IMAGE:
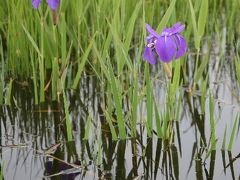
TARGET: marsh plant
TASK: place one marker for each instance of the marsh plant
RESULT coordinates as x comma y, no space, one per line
126,70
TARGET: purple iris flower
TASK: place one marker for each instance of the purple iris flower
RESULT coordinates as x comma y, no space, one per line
53,4
168,46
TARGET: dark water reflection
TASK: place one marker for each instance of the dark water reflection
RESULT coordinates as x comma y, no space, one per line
34,146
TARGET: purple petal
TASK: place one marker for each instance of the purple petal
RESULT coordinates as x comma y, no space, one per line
149,55
35,3
53,4
177,28
150,39
151,31
166,48
176,25
166,32
181,45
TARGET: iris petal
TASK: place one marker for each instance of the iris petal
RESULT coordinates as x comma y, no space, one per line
181,45
166,32
177,28
166,48
151,31
53,4
35,3
150,39
149,55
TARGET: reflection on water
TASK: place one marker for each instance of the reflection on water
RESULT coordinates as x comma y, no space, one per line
33,140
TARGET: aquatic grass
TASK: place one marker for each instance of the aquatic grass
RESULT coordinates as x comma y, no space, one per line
103,40
202,67
55,75
166,17
173,88
231,12
122,57
81,64
198,30
202,18
165,127
33,43
116,92
178,106
176,78
110,123
149,99
172,109
233,132
134,108
67,119
237,67
224,139
67,114
203,91
194,26
35,46
34,79
42,63
1,90
158,119
199,26
87,128
45,58
130,26
135,99
99,151
2,68
212,123
9,92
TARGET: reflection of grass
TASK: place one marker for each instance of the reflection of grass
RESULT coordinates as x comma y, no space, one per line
1,172
105,39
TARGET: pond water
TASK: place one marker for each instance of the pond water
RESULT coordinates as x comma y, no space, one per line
34,146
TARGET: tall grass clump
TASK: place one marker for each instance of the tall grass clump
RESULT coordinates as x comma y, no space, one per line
57,51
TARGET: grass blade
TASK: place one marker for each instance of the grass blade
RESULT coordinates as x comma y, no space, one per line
67,116
233,134
194,23
212,123
9,92
202,19
109,120
81,65
87,128
117,99
149,100
130,26
166,16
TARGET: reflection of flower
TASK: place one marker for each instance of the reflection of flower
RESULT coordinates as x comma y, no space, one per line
53,4
168,46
